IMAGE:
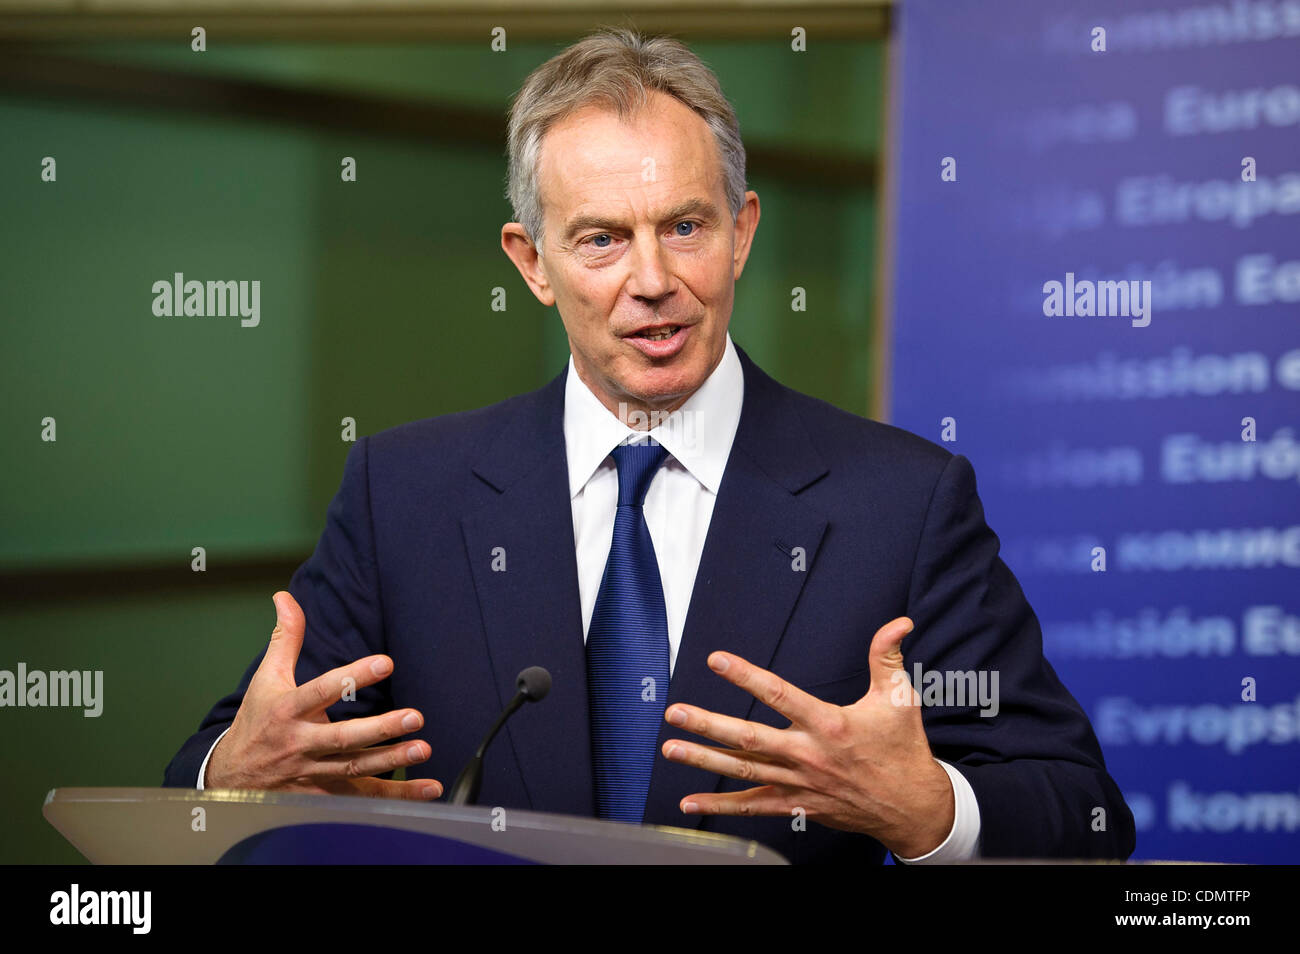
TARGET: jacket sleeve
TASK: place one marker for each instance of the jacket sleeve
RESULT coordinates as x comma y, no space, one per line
1035,766
339,592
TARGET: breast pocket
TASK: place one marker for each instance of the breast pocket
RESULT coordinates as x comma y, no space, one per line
843,691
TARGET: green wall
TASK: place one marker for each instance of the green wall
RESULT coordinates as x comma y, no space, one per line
375,304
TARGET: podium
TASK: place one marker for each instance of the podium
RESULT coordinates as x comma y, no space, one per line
177,826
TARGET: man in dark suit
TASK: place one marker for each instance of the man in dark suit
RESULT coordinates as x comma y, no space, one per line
699,555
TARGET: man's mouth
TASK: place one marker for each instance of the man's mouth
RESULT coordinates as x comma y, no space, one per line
656,332
659,342
662,334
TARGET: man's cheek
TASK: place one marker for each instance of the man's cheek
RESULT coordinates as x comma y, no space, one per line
593,299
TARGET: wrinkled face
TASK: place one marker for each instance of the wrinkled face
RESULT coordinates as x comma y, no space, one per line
641,253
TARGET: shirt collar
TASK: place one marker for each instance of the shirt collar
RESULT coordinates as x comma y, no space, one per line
698,435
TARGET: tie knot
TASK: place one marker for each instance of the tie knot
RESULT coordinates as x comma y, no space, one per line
637,464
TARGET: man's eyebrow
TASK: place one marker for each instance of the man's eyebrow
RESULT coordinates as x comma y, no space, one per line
701,208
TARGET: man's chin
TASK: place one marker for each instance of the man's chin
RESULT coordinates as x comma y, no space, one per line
666,382
660,395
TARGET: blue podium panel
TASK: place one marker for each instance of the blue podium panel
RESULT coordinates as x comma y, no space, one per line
339,844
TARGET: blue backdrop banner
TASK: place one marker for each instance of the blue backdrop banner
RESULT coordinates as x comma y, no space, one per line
1096,298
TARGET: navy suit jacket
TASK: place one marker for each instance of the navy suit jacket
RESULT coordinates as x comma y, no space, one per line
889,524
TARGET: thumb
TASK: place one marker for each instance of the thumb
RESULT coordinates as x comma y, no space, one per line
287,637
886,655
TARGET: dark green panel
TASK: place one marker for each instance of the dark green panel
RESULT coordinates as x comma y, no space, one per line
165,657
172,432
827,98
376,304
824,243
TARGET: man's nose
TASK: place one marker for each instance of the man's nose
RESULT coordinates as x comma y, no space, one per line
651,277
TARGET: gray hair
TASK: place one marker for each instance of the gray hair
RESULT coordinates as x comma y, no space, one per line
617,68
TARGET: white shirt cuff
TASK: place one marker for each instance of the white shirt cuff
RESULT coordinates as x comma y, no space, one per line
203,769
963,841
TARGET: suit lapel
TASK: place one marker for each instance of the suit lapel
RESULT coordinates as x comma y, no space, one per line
747,582
531,610
745,588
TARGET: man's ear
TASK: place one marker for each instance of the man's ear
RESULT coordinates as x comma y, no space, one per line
746,224
516,243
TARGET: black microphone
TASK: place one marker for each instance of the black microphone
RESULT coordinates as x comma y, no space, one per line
533,683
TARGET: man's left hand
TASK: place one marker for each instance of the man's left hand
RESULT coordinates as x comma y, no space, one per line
866,767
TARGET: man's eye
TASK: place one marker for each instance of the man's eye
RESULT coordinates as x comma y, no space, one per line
689,226
602,240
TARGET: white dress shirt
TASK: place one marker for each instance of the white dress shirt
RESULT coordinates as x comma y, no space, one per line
678,507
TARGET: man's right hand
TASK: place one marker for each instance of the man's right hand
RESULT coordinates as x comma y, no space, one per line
282,739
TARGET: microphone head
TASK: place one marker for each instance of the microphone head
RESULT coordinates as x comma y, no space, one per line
534,682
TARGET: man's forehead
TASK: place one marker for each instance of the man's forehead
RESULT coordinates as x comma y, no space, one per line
657,106
596,136
656,156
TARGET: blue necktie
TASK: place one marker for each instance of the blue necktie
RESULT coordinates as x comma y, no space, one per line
627,647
